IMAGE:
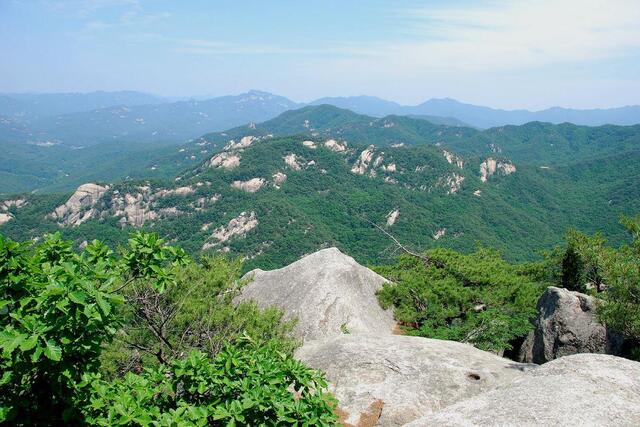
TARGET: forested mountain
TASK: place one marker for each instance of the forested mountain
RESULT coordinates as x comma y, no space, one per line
485,117
543,144
60,151
174,121
369,105
516,188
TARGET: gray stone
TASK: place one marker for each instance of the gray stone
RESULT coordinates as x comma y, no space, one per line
401,378
328,292
567,324
578,390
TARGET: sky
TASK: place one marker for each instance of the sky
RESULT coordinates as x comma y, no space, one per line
506,54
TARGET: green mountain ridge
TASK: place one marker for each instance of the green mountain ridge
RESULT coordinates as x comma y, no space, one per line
273,198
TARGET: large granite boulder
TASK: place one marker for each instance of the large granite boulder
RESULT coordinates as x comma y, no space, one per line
578,390
390,380
80,206
567,324
328,292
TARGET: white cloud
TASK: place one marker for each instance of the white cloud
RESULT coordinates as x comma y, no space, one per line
515,34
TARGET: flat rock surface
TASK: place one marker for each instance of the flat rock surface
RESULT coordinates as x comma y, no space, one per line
391,380
328,292
578,390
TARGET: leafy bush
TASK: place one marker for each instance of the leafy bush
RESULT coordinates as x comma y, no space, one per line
477,298
59,308
196,312
621,274
242,385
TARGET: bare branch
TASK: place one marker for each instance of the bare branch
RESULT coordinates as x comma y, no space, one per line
424,258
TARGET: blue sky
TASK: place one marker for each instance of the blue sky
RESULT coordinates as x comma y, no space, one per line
510,54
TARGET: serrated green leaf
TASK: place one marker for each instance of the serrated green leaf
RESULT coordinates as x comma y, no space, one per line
53,351
9,340
78,297
29,343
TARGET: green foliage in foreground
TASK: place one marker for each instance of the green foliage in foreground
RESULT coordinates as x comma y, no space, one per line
195,313
58,309
622,276
615,273
243,385
477,298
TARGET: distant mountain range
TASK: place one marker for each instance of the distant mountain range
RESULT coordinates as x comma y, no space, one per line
50,138
84,119
136,121
29,106
485,117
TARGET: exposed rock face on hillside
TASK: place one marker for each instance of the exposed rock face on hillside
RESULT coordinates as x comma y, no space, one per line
225,160
567,324
134,207
392,217
578,390
309,144
244,142
79,207
336,146
238,226
329,292
452,182
292,161
452,159
490,166
278,179
18,203
364,160
250,186
411,376
5,217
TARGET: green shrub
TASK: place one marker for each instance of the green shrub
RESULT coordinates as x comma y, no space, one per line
621,275
477,298
241,385
196,312
59,309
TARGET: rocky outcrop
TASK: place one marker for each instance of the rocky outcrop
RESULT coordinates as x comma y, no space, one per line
250,186
238,226
134,208
5,217
392,217
333,145
452,182
567,324
279,178
309,144
578,390
410,376
364,160
383,379
244,142
452,159
180,191
291,160
328,292
225,160
80,206
490,166
439,233
6,204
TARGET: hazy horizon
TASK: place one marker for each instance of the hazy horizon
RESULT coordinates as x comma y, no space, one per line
506,55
